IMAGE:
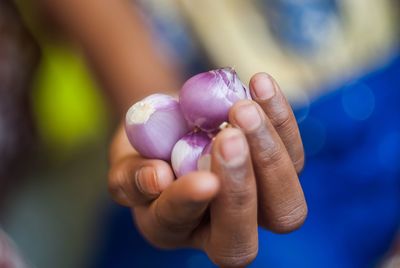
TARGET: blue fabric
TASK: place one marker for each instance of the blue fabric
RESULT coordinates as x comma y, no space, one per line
351,182
301,25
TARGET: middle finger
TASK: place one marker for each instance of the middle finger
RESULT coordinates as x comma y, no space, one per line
282,206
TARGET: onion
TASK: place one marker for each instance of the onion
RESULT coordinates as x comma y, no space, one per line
187,152
205,98
154,125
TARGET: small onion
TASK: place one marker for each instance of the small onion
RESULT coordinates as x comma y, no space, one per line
154,125
206,97
187,152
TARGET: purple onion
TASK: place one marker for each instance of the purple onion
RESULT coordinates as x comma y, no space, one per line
206,97
187,152
154,125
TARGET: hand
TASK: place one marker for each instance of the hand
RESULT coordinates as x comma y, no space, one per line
392,257
253,181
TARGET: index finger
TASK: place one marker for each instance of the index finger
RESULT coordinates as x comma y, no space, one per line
282,204
233,238
171,220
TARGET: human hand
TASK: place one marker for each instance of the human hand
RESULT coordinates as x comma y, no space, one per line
392,257
253,181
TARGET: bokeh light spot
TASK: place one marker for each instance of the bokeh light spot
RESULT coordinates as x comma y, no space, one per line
358,101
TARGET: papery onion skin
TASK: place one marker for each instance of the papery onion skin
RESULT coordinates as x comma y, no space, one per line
154,125
206,98
187,152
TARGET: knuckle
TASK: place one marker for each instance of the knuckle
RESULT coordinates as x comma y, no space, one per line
237,191
291,221
240,197
235,258
271,153
282,120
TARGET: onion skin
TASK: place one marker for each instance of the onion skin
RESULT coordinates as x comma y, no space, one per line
187,152
206,98
154,125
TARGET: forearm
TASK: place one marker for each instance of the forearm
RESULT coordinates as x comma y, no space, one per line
118,46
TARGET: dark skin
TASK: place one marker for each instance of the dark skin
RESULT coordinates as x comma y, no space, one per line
253,182
217,211
253,179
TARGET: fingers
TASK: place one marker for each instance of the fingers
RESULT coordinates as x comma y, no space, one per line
135,181
282,207
233,237
172,218
266,92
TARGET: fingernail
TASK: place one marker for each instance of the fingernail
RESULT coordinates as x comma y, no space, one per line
263,87
248,117
146,181
232,148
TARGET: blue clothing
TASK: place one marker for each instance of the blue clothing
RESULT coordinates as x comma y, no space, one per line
351,181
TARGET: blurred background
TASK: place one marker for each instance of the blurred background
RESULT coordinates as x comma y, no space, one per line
337,61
